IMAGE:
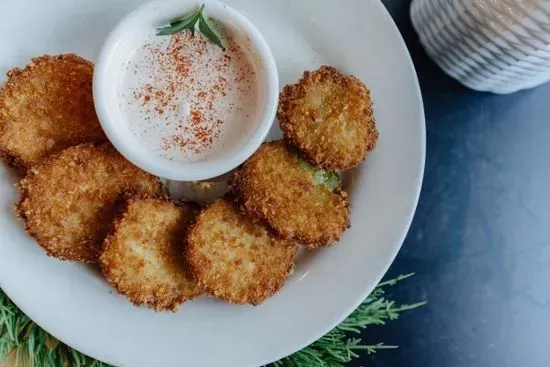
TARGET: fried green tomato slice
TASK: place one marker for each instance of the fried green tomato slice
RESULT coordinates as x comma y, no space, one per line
68,201
45,108
234,258
299,201
142,258
329,117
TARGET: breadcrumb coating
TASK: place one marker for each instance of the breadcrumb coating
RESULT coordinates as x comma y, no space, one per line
68,201
277,187
45,108
236,259
142,258
329,117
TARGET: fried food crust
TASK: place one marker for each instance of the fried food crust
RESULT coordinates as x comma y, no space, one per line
274,186
45,108
68,201
236,259
143,256
329,117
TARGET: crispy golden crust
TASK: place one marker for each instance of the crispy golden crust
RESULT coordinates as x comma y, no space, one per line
329,117
45,108
274,186
237,259
68,201
143,257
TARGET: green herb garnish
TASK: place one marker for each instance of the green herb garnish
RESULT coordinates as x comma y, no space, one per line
339,347
322,177
189,22
32,346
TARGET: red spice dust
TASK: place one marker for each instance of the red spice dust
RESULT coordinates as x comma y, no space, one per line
199,127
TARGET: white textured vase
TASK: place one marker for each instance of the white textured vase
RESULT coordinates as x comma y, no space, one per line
500,46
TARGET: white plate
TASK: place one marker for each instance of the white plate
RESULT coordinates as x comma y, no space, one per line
75,304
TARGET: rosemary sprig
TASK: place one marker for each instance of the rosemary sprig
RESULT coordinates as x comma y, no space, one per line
29,345
336,348
32,346
189,22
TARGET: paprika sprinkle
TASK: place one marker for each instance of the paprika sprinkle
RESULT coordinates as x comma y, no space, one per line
187,98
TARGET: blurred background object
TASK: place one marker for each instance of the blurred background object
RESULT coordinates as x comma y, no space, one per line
500,46
480,239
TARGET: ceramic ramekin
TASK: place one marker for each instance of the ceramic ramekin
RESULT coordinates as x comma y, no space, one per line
109,70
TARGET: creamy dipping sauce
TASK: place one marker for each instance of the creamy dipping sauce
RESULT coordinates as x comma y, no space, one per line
186,98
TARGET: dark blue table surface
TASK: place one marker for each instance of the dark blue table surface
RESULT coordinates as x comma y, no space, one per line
480,240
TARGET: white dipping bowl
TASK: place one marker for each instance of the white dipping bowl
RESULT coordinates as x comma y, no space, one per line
119,47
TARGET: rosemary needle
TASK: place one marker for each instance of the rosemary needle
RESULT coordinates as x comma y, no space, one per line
189,22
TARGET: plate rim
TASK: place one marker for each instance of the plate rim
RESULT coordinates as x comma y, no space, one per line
422,119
